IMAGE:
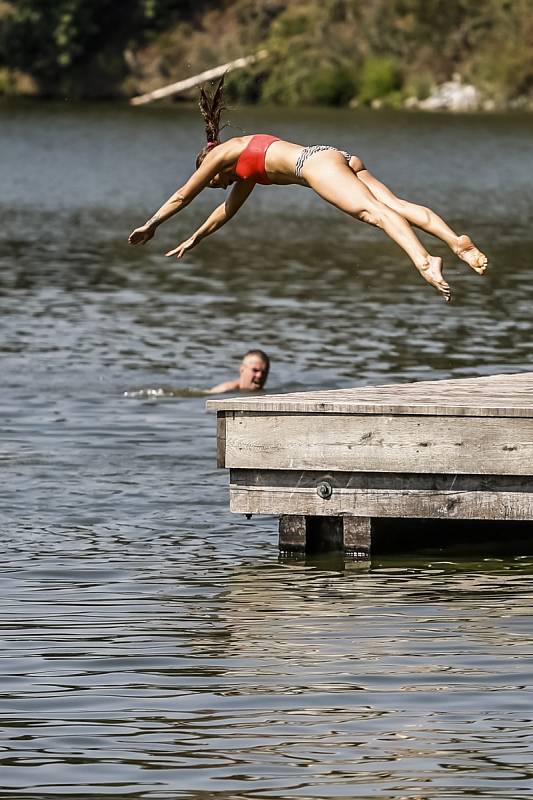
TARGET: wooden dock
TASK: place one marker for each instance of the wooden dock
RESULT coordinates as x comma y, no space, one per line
329,462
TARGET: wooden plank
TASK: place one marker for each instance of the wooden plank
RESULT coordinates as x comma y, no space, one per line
422,504
491,396
371,443
221,439
312,479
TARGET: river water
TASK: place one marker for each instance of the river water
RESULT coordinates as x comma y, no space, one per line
155,646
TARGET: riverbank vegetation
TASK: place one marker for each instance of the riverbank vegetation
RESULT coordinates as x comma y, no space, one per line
333,52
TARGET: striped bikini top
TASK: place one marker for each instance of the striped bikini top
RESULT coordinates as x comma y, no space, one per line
251,162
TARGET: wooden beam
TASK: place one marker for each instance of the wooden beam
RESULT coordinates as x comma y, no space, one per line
416,504
421,496
189,83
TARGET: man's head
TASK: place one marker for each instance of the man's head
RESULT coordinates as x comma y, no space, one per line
254,370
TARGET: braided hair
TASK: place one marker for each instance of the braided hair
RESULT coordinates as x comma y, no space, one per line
211,106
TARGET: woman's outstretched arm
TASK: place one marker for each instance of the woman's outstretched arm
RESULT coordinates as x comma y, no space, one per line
240,192
212,164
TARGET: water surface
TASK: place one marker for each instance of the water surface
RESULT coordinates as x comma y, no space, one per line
154,645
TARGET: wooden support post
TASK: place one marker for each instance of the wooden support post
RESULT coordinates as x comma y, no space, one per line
292,533
221,439
299,533
357,536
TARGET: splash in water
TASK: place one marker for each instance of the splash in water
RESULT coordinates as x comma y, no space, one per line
165,391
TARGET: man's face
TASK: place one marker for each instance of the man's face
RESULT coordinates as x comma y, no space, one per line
253,373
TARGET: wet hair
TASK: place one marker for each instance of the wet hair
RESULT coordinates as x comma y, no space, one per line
211,105
260,354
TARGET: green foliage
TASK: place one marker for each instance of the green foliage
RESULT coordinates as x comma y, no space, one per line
507,76
328,84
331,85
379,77
321,51
245,86
77,47
290,24
6,82
54,40
310,63
418,85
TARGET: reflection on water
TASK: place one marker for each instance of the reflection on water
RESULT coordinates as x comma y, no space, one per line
241,677
153,644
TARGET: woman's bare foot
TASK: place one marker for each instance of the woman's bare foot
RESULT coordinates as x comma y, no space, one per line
466,250
431,271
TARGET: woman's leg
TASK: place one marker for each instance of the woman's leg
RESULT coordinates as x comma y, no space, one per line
427,220
332,179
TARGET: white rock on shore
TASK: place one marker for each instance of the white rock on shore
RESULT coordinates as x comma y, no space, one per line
453,95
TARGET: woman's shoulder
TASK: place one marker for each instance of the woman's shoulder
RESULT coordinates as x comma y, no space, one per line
232,148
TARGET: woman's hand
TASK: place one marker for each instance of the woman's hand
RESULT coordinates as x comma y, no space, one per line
182,248
143,234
